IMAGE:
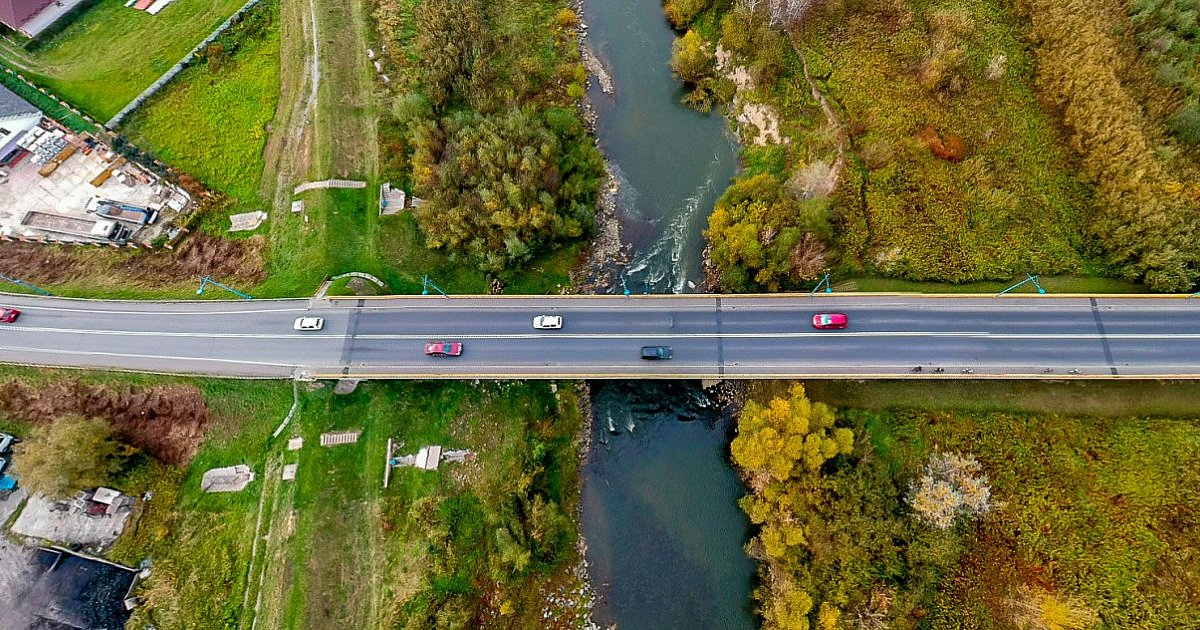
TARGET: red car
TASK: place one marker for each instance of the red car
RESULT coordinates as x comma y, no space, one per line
443,348
9,315
826,321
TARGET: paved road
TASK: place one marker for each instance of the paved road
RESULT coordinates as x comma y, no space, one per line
712,336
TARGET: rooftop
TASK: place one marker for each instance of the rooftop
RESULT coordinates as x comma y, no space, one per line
13,106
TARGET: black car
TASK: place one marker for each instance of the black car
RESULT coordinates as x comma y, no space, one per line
654,353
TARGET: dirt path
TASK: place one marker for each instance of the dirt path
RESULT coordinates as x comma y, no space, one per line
842,141
287,151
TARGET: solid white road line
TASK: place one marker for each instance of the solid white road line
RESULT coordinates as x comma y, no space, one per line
641,335
37,351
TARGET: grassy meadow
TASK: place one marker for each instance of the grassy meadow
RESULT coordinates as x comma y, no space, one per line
107,56
1089,519
211,122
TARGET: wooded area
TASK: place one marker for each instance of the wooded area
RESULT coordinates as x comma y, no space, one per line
486,129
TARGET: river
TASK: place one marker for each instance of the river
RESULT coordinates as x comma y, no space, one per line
665,536
671,161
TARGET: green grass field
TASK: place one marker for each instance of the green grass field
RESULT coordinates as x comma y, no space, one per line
111,53
213,124
1097,513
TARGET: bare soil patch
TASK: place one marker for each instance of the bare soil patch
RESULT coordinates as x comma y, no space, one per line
199,255
166,421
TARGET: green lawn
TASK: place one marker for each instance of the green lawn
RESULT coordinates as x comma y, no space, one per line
335,549
111,53
1091,398
211,121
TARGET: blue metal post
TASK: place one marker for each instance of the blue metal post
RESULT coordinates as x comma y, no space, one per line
824,281
1034,280
207,280
1028,279
624,286
426,284
22,283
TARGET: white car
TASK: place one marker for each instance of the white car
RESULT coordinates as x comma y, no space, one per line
309,323
547,322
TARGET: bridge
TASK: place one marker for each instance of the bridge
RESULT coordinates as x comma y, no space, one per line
725,336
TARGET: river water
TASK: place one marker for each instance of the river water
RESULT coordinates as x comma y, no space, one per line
671,162
665,536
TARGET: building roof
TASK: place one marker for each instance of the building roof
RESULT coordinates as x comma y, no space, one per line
16,13
11,105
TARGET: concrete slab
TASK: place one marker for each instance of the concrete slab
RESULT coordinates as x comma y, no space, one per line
339,437
68,189
227,479
246,221
41,520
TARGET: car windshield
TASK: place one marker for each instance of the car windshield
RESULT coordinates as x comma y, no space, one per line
826,320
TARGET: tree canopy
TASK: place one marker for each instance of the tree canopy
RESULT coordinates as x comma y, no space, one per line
764,238
781,448
501,188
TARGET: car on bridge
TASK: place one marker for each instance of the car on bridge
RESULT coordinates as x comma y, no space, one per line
309,323
547,322
657,353
9,315
443,348
830,321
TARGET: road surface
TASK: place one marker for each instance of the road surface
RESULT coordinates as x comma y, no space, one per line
889,336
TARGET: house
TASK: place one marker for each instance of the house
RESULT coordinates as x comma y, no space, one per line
17,117
31,17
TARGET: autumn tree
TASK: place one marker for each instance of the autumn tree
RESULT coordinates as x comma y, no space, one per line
691,59
450,43
952,486
682,12
765,238
500,189
781,448
1146,221
68,454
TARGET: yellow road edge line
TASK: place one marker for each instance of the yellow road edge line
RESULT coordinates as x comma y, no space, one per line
758,377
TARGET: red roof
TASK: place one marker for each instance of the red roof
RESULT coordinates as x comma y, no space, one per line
15,13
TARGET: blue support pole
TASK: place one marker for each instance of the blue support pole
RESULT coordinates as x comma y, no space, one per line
207,280
1034,280
624,287
1028,279
426,283
824,281
22,283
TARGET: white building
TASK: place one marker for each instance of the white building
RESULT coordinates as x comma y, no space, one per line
17,116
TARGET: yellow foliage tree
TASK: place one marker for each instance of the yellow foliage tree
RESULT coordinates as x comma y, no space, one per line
781,447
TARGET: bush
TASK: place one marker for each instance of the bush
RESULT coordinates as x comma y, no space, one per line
69,454
682,12
1185,124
